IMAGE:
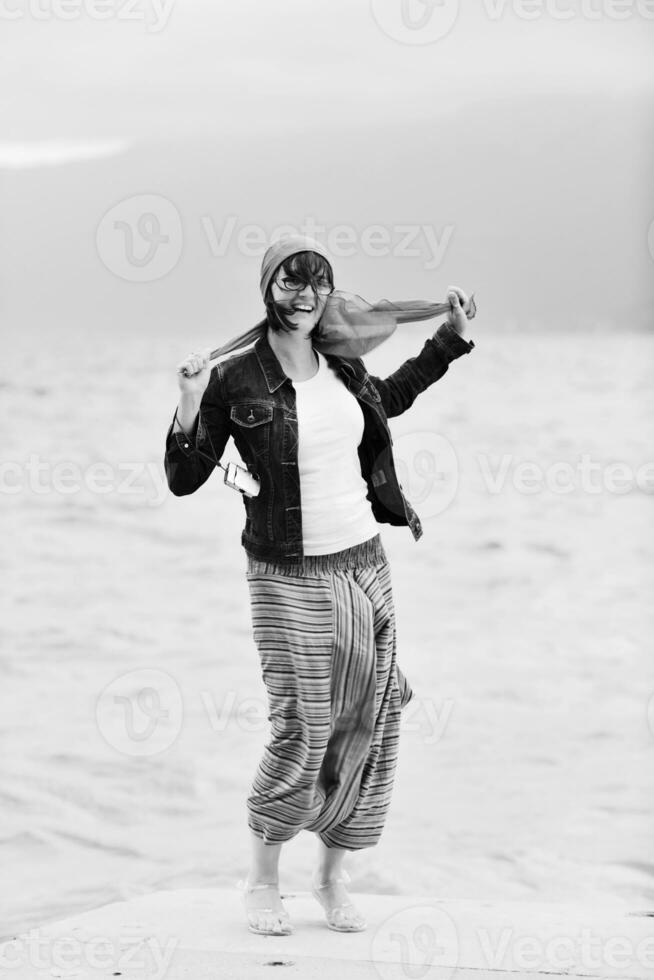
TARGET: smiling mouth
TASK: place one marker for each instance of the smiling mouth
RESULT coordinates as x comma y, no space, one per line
300,308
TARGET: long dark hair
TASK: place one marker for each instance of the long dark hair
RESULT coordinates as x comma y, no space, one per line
307,266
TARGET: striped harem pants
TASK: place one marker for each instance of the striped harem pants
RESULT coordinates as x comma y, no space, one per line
325,632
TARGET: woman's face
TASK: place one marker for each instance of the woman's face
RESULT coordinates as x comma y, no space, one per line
302,304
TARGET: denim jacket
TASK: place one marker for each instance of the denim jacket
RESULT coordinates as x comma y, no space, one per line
250,398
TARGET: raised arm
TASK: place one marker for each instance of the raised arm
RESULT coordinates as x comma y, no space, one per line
399,390
197,436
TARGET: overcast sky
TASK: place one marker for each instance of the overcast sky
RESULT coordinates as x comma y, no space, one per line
517,135
264,64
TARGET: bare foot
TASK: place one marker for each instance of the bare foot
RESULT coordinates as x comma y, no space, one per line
341,914
265,911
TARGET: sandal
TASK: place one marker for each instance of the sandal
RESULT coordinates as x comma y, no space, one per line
342,918
283,925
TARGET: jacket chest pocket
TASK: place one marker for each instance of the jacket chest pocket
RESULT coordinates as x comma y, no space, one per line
252,425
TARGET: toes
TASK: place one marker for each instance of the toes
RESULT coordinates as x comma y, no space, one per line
268,922
348,917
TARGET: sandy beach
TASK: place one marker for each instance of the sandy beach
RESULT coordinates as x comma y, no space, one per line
523,624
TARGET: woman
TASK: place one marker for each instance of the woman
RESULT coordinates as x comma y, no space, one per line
312,428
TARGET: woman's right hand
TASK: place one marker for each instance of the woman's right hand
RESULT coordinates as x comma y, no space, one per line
193,373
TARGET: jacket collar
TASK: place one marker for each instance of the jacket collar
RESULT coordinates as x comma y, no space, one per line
273,371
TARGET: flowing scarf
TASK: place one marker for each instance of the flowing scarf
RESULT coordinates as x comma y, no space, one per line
349,325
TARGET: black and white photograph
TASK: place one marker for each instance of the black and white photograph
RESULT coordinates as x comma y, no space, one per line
327,483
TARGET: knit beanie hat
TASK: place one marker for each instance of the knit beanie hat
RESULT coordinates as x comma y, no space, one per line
282,249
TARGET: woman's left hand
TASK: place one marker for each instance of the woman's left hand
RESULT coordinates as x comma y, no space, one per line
459,302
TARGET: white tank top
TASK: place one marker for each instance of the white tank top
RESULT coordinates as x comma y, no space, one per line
335,511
